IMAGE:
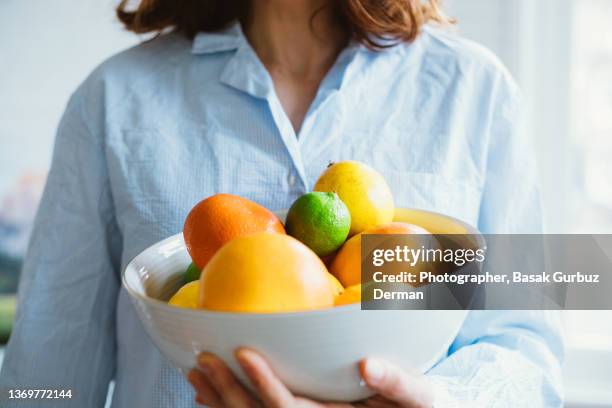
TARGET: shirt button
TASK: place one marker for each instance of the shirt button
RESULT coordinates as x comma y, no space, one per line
291,180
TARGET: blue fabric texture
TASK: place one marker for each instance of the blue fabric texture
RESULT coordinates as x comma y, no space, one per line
163,125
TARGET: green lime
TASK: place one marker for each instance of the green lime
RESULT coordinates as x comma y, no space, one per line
192,273
320,220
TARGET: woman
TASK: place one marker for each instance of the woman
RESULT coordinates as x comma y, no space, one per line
256,98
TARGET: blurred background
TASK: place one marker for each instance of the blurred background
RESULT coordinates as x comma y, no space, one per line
560,52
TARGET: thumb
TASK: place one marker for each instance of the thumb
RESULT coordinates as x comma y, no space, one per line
406,390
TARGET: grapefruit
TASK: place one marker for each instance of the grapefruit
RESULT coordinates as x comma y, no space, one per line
265,273
346,266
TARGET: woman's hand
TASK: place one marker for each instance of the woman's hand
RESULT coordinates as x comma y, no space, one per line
217,387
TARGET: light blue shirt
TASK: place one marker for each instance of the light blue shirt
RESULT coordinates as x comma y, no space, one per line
163,125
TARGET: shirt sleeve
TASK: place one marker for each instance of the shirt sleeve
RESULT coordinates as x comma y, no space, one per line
505,358
64,333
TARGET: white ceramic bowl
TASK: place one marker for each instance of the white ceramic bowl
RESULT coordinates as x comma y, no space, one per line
315,353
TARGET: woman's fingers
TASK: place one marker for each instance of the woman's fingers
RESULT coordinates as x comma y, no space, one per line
378,401
271,390
205,393
216,386
406,390
219,376
273,393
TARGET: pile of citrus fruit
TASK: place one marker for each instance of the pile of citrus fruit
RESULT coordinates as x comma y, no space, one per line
246,260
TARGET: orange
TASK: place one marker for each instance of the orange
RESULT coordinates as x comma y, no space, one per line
351,295
265,273
220,218
346,266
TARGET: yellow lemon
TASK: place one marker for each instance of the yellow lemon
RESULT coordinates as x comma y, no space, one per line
364,191
351,295
186,296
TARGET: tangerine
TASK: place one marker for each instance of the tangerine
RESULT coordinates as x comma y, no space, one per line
220,218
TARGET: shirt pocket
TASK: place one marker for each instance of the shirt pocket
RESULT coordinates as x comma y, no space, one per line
426,191
153,163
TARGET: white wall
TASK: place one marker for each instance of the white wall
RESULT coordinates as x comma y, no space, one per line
46,49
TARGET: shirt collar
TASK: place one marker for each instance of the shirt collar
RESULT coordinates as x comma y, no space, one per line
228,39
244,71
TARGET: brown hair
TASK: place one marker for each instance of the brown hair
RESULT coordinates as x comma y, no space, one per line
371,22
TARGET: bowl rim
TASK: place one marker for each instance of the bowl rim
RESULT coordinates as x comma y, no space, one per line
256,315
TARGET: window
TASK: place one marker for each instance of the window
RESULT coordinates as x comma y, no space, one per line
560,51
591,107
589,334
